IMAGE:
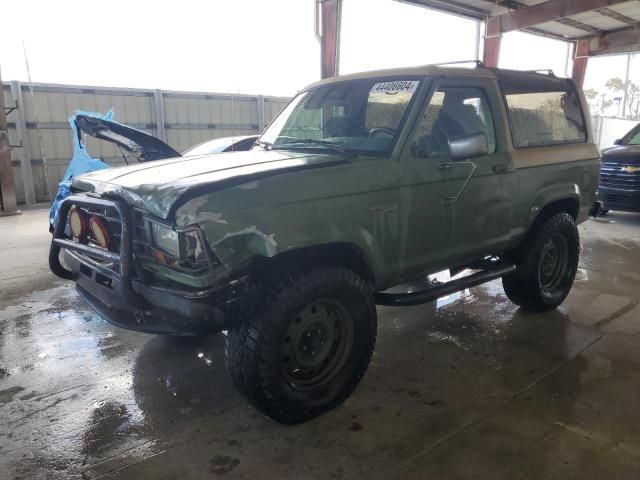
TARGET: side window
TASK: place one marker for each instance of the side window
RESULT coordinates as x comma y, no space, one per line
453,112
540,118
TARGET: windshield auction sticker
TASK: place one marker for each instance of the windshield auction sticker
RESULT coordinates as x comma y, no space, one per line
398,86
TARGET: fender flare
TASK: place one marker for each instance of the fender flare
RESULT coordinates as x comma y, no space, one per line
550,195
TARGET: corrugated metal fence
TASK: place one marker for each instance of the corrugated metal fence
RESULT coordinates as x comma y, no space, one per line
182,119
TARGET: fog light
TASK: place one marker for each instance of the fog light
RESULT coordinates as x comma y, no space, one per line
100,232
78,223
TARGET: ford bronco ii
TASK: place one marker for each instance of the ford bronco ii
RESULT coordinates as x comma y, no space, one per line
361,183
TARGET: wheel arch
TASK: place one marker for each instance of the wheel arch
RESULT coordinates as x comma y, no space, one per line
570,205
562,198
345,254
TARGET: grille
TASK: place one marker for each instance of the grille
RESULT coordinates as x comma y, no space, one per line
623,200
612,175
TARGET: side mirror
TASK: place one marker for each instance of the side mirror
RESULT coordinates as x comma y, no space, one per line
618,141
469,146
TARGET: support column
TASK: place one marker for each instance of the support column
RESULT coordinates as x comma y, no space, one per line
625,95
492,38
330,18
580,60
23,138
158,110
260,107
478,39
8,203
567,59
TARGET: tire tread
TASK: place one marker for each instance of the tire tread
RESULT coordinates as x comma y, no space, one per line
522,287
248,344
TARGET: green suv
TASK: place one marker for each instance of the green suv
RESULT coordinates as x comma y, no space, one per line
362,183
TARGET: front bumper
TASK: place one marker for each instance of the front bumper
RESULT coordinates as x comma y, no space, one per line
108,283
617,199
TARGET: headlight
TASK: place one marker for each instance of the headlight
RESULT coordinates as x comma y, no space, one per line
192,250
166,239
184,246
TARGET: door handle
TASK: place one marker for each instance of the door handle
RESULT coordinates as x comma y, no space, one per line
499,168
445,165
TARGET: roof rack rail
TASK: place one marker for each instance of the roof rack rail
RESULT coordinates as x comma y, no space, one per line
478,63
546,71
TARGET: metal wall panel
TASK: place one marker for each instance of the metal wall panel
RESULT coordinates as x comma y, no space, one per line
14,140
189,118
272,107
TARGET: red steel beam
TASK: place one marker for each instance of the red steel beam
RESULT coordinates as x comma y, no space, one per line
615,42
492,41
331,17
7,181
548,11
580,60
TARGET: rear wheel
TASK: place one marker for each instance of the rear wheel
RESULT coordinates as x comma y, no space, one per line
307,348
546,265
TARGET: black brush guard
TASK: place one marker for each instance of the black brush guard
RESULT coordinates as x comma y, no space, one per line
127,302
123,260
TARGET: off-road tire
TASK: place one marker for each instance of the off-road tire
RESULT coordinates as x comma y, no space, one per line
527,286
253,348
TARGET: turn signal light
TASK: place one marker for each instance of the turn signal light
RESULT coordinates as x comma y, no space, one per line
100,232
78,222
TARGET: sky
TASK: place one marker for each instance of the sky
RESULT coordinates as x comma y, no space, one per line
244,46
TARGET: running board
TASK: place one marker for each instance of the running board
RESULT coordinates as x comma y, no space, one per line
452,286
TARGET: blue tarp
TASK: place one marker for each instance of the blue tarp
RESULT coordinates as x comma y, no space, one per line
80,163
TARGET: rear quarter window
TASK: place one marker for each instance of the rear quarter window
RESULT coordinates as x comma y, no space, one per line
542,116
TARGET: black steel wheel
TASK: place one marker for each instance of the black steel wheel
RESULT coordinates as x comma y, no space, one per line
307,348
553,265
317,344
546,263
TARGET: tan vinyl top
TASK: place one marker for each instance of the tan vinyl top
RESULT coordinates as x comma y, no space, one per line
423,70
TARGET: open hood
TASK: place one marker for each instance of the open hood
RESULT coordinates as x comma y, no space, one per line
141,145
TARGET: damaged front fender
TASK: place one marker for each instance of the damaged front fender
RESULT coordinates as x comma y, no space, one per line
237,234
235,248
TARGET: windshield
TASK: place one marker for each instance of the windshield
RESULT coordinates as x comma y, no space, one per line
219,145
359,116
633,137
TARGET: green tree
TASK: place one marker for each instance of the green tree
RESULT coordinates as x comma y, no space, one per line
598,102
590,94
616,84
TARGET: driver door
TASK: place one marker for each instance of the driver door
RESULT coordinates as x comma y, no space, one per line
472,195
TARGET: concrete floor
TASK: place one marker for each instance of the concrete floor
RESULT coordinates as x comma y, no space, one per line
468,388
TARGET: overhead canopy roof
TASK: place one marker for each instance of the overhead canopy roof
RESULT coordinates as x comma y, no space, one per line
611,26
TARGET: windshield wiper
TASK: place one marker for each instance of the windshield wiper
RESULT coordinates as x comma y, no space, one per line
326,144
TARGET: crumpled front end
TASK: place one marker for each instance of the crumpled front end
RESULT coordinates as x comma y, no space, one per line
141,274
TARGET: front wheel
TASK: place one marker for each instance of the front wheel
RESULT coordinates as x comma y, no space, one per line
307,348
546,265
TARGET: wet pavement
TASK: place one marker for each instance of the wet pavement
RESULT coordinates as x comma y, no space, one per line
467,387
